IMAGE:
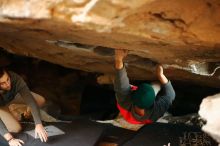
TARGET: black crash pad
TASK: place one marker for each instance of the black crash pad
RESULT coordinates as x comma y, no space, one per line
159,134
78,133
116,135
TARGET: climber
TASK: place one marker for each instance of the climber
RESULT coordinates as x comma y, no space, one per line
13,90
140,104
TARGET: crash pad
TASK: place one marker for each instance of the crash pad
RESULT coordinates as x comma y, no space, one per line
160,134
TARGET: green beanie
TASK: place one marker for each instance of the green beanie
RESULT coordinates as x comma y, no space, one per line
144,96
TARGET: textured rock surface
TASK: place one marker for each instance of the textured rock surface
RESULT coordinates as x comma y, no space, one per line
183,35
209,110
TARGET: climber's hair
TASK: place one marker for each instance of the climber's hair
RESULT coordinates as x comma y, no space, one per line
2,71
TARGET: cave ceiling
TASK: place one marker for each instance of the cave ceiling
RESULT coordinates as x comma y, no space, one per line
182,35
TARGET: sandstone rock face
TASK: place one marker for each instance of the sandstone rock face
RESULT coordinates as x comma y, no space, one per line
210,111
182,35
